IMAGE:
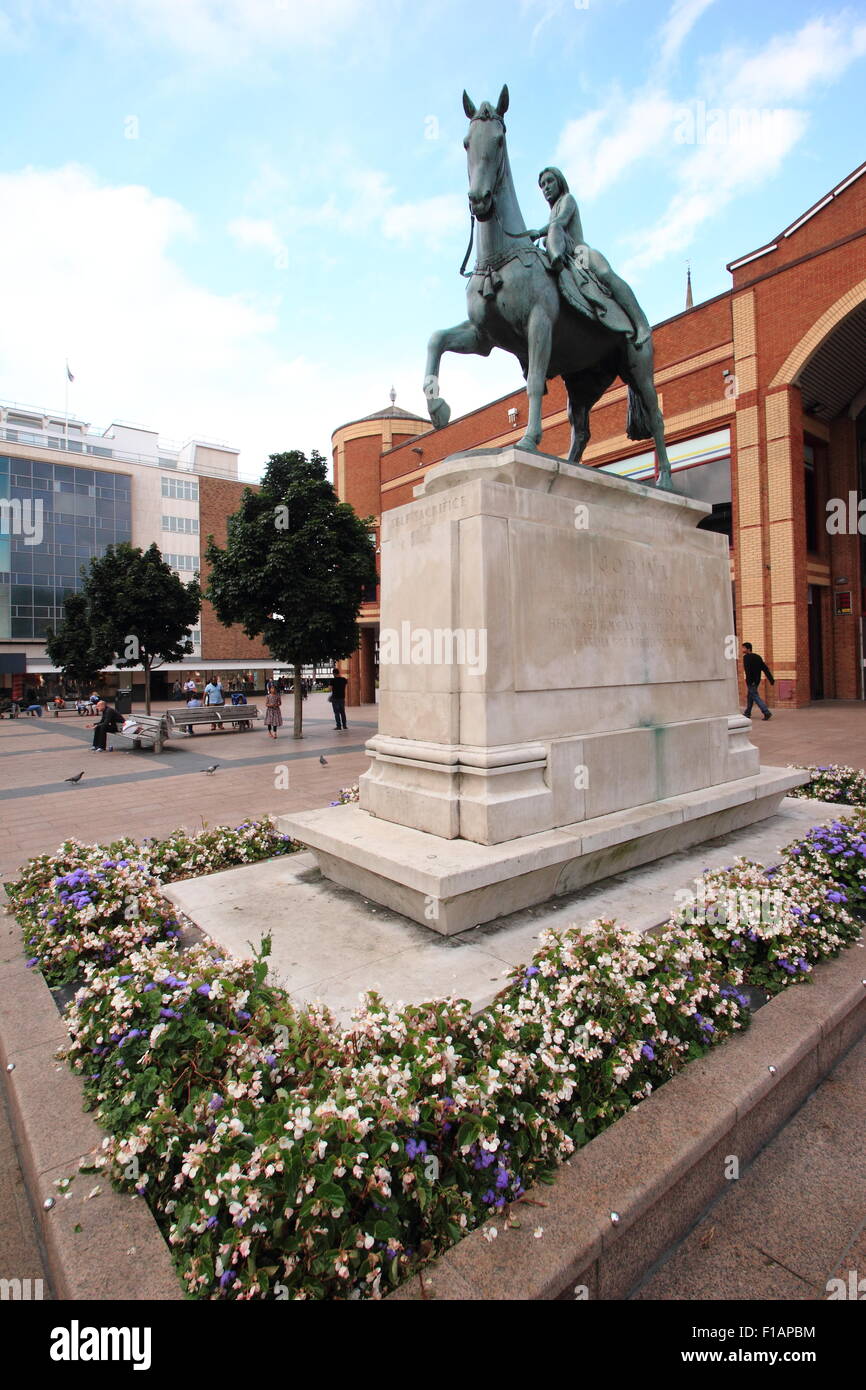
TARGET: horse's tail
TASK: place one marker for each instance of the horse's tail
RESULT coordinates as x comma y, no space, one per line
638,424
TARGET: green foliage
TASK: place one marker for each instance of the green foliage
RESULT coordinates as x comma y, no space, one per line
135,600
293,549
75,648
95,904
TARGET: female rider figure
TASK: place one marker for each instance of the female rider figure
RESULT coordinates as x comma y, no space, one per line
569,255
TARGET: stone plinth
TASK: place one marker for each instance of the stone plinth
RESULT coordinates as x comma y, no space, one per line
558,692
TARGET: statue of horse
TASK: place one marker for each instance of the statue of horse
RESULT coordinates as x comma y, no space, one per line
514,302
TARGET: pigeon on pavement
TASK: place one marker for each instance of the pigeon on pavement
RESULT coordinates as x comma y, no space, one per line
212,769
323,761
76,778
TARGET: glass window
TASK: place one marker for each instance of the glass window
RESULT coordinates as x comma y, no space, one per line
811,497
180,487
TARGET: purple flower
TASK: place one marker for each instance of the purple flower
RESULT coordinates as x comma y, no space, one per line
203,989
227,1278
646,1051
413,1147
216,1103
169,1013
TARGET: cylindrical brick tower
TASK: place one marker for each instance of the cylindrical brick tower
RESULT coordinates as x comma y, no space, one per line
360,450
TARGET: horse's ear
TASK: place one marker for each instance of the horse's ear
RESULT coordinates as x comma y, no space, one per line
502,103
469,105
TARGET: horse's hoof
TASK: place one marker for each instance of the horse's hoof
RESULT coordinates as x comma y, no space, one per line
440,412
664,483
527,443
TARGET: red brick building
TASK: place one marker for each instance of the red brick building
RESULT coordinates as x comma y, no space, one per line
763,390
219,498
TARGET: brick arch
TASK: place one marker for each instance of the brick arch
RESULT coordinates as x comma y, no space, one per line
810,342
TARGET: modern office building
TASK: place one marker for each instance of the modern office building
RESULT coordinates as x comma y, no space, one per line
763,390
66,493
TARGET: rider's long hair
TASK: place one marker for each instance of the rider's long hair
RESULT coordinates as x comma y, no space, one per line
558,175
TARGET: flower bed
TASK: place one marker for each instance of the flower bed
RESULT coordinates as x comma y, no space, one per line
286,1157
833,782
95,904
347,795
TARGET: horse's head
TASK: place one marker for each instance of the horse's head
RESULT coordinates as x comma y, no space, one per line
485,148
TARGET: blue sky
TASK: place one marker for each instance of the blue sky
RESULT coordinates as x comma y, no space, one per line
242,219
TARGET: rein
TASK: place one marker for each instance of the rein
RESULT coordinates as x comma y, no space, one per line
515,236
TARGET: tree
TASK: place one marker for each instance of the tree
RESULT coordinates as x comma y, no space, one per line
137,605
74,648
295,567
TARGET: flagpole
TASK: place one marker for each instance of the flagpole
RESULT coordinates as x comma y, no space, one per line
66,409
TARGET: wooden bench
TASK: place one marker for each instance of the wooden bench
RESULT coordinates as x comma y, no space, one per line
153,732
236,716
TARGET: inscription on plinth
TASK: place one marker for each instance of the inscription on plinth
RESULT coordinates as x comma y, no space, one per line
599,611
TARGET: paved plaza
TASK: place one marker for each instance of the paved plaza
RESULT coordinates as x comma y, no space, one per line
135,792
804,1170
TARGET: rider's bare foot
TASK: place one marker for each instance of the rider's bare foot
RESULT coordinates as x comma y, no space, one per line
641,333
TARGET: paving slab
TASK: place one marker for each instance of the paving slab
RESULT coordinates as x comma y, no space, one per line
797,1215
331,944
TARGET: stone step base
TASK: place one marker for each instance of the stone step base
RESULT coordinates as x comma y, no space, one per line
453,885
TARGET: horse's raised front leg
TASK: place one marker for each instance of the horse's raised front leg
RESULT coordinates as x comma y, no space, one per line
463,337
539,341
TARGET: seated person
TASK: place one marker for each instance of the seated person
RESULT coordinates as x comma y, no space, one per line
192,703
109,723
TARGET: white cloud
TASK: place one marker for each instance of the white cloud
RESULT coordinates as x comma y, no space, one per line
362,202
599,147
218,31
96,280
790,64
732,135
430,219
256,232
682,18
709,178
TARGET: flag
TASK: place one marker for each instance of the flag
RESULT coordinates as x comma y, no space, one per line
69,376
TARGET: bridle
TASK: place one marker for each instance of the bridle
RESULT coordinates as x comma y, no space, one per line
515,236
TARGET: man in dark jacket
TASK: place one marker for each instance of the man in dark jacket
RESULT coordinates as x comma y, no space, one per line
109,723
338,698
754,667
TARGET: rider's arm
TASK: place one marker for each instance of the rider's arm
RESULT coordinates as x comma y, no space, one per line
565,214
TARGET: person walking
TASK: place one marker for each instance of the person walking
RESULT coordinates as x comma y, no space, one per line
213,695
338,698
273,717
754,667
109,723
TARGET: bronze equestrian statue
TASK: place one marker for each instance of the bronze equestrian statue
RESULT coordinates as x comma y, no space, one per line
561,311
